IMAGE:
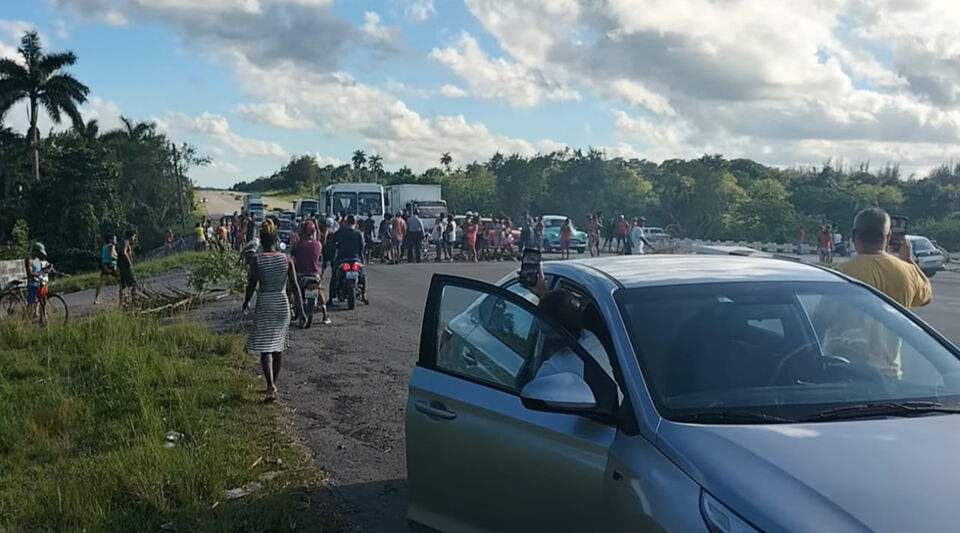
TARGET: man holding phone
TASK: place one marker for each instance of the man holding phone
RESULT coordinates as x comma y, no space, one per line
896,276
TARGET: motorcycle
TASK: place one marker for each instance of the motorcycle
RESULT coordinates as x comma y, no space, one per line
351,283
310,290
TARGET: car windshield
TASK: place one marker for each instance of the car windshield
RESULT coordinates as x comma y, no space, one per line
345,202
371,202
431,211
781,349
555,223
921,244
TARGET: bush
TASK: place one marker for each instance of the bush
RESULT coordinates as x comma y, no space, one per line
218,267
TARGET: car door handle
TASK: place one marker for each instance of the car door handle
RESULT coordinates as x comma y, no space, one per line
434,409
469,359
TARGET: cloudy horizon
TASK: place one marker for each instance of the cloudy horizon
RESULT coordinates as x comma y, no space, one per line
253,82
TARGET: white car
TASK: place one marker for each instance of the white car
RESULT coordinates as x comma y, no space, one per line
928,257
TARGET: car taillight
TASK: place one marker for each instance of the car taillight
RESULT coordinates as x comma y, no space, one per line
356,266
346,266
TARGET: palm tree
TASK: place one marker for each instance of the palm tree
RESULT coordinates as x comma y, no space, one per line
359,160
445,160
90,130
131,131
41,81
376,164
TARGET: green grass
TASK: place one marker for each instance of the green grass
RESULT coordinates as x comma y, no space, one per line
145,269
84,411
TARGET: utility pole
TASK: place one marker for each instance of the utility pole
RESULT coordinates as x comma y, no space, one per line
176,171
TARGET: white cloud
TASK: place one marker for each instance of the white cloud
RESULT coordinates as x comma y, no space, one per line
274,114
498,78
387,126
398,87
452,91
106,112
419,10
217,128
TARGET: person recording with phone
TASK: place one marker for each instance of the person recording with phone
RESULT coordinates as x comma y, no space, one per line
896,276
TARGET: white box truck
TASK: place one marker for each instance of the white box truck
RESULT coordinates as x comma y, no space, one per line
254,204
306,207
409,197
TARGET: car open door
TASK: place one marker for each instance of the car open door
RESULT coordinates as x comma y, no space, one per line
479,456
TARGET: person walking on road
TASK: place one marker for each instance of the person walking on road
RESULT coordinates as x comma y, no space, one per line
449,236
623,229
414,237
566,232
437,236
800,236
593,236
108,264
386,238
637,237
125,266
399,231
471,226
269,275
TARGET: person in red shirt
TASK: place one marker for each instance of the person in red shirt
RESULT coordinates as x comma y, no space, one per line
399,229
168,242
622,229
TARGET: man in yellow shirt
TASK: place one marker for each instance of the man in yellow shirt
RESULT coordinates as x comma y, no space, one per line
852,333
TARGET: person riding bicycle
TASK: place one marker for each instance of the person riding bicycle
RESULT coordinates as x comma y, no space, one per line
306,261
38,272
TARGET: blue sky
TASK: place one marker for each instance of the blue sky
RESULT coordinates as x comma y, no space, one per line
254,82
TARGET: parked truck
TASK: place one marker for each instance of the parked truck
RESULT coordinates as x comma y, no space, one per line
254,204
410,197
306,207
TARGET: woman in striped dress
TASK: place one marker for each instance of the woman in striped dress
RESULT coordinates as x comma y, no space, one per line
269,276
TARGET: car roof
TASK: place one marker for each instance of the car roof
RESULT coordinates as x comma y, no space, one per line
658,270
554,217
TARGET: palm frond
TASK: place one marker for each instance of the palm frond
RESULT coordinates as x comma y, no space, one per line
74,114
30,48
51,63
52,106
10,69
65,85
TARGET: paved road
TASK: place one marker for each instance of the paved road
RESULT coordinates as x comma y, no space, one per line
346,384
222,202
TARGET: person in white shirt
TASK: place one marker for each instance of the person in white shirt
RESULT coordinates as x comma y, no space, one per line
414,237
637,238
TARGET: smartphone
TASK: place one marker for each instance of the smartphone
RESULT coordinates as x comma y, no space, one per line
530,267
898,233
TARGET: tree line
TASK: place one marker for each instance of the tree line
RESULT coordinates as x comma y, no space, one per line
71,188
710,197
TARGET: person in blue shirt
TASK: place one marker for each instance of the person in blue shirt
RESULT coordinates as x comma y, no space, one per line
108,264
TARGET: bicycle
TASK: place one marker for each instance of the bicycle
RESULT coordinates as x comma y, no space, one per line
51,308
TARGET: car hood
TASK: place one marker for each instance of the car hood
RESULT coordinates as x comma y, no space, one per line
897,474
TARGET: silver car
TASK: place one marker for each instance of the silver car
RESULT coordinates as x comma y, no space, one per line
928,257
702,394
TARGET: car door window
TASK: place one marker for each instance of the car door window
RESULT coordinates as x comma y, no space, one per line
484,338
491,340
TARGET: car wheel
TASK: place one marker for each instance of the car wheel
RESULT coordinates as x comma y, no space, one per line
930,273
581,250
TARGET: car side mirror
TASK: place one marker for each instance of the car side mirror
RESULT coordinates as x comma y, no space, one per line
559,393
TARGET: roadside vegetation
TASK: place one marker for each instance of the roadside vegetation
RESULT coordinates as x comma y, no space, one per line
145,269
120,424
710,197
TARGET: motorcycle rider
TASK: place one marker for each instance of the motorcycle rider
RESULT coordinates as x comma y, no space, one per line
348,244
306,255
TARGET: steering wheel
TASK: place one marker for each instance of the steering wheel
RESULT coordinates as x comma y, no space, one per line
827,365
787,360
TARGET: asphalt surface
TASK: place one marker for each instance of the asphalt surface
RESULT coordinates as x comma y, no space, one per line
223,202
345,385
